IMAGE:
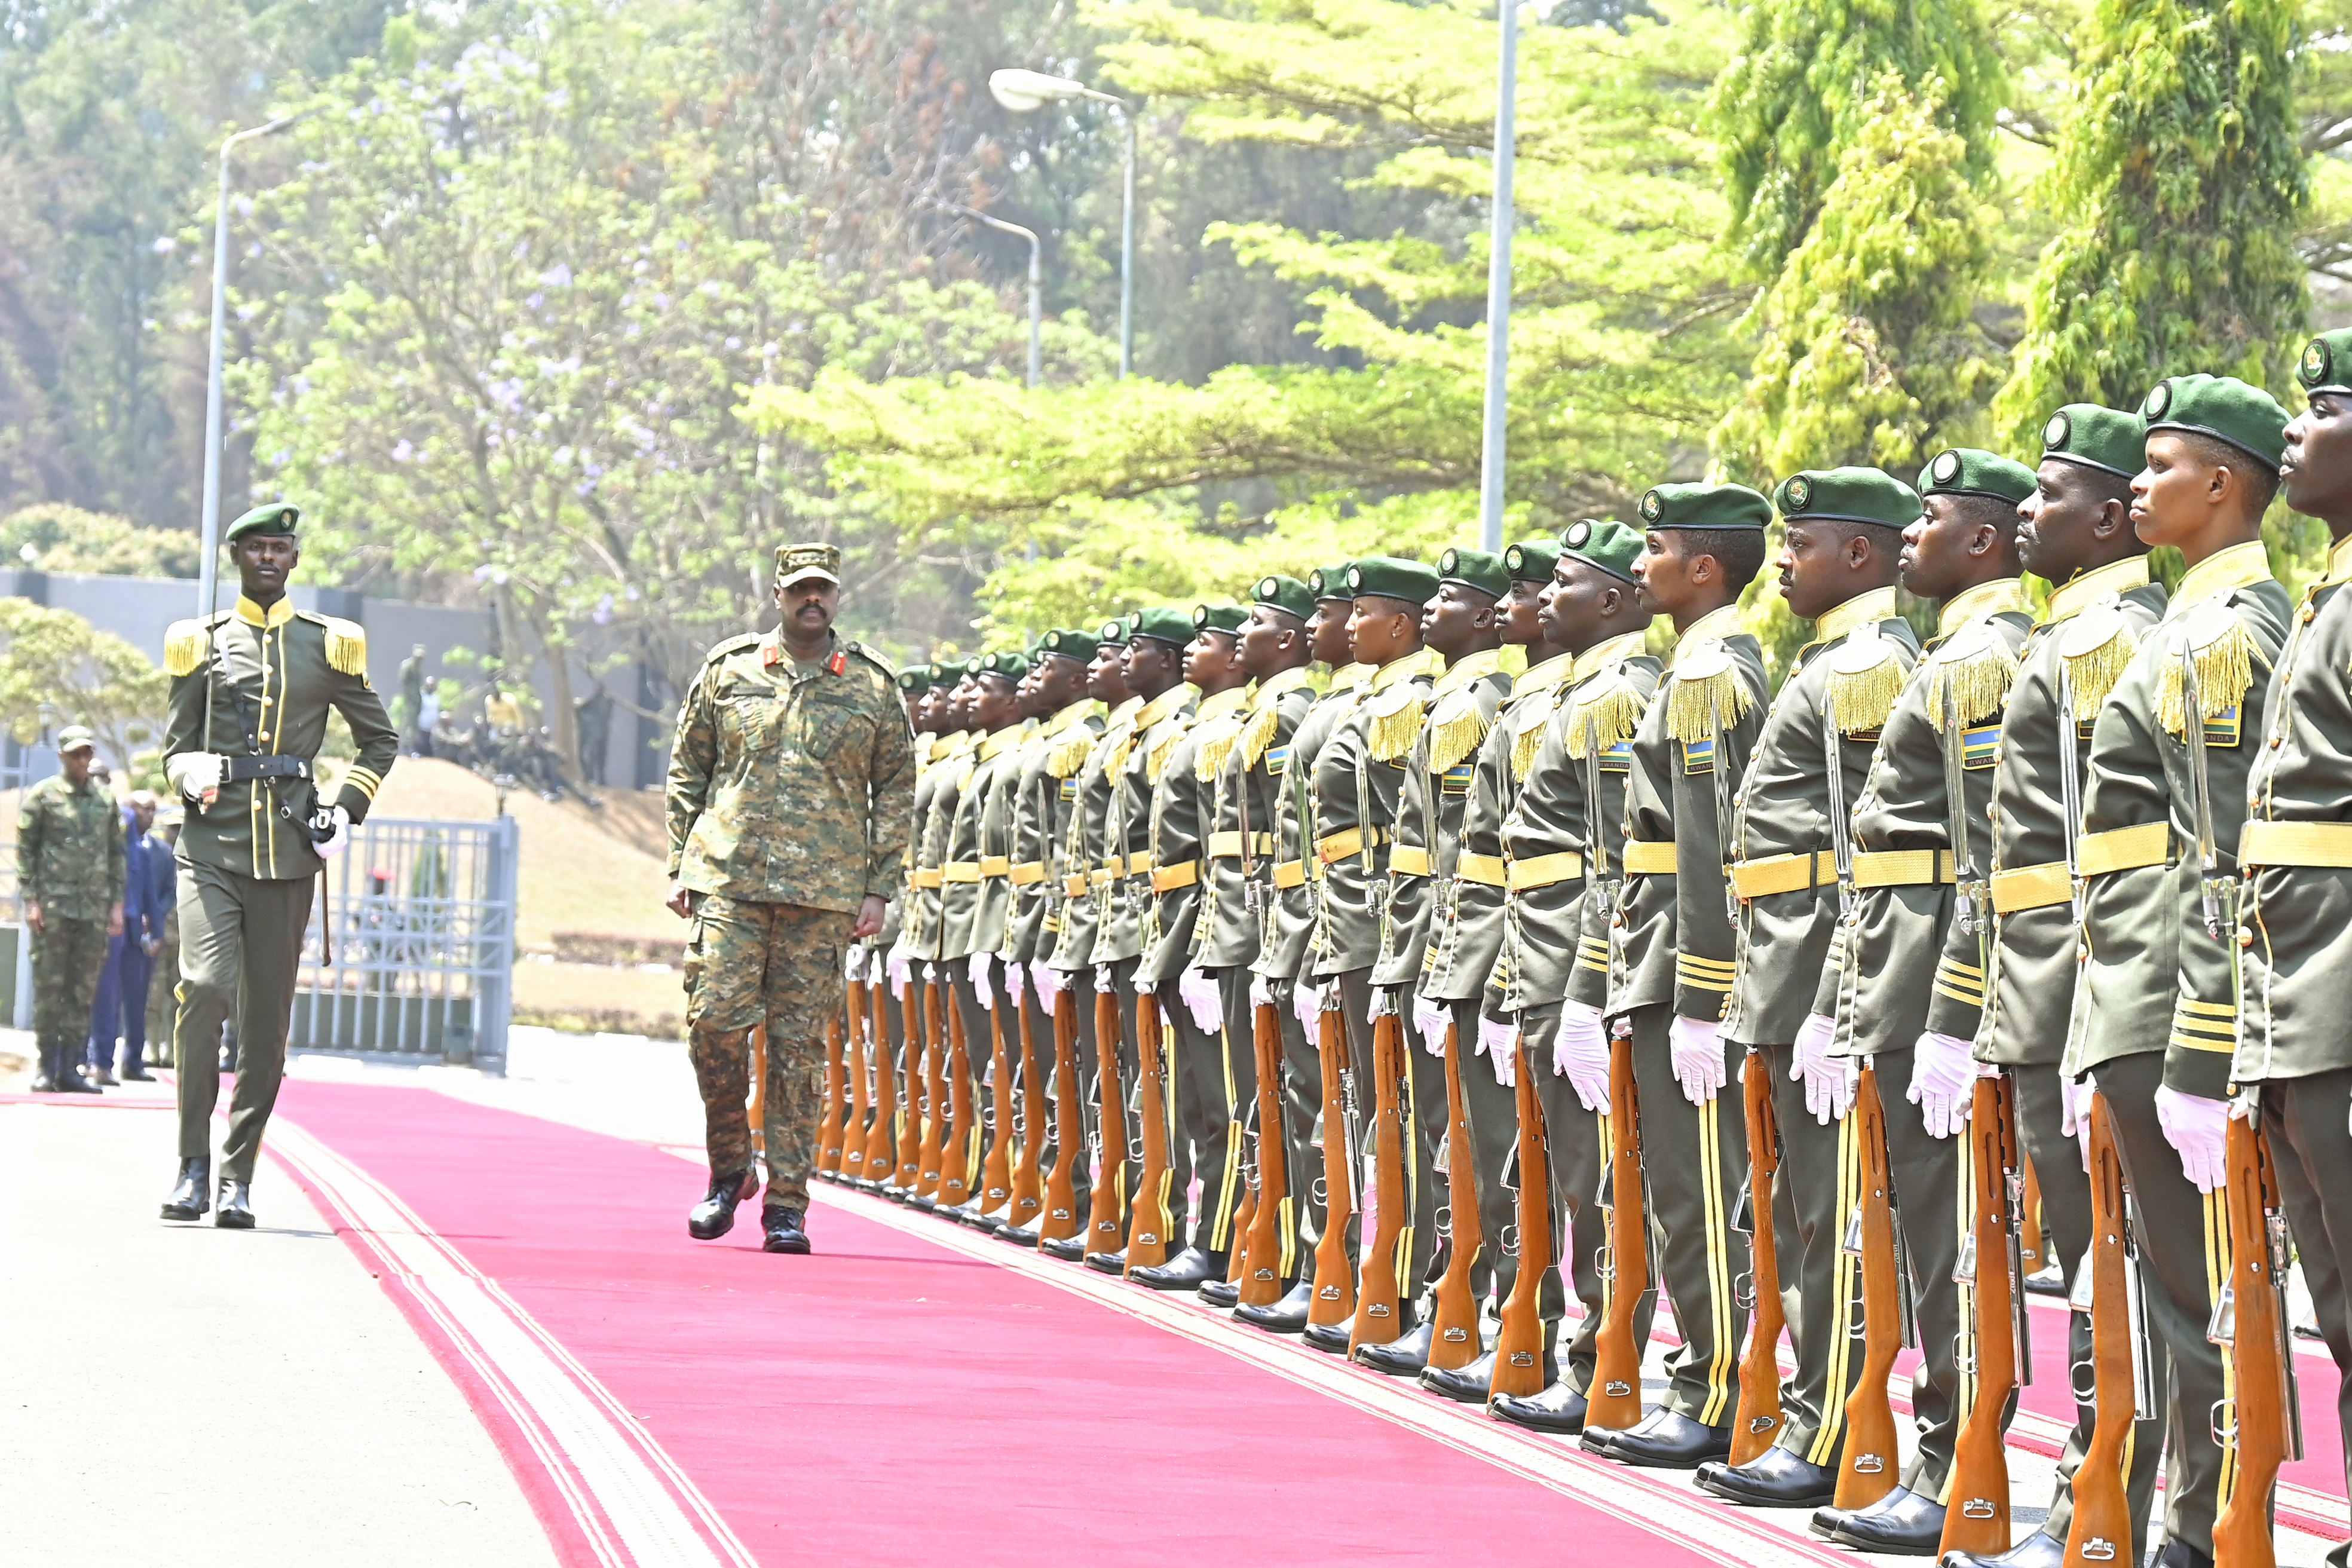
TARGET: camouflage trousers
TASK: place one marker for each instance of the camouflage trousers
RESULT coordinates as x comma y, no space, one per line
68,953
779,964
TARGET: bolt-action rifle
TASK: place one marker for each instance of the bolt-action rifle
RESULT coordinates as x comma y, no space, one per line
1060,1220
1615,1401
829,1129
1519,1346
2251,1323
1379,1294
1866,1472
1334,1271
1992,1270
931,1156
882,1134
2108,1287
1454,1340
1149,1225
1107,1216
1027,1201
996,1166
1760,1419
1267,1250
960,1144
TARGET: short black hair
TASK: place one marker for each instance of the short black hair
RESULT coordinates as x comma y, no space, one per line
1975,510
1739,550
2101,484
2262,479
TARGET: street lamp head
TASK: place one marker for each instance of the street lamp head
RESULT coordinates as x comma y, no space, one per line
1022,91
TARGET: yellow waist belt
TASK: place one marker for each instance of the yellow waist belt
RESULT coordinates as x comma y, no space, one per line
2124,849
926,877
1649,857
1075,884
1339,846
1098,878
1290,873
1168,878
1028,872
997,864
1784,874
1903,868
2030,888
2318,844
1407,861
1565,866
1487,870
1135,865
1227,845
960,871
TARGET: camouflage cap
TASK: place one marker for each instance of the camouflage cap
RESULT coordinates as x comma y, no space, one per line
1080,646
2220,406
2096,438
1704,505
1225,618
1608,544
1531,561
1330,582
1965,471
795,562
1392,577
1163,623
277,518
914,682
2326,363
1288,595
75,737
1849,494
1479,569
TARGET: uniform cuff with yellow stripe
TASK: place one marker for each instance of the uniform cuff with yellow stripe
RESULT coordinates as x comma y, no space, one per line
2204,1038
1956,999
1701,986
358,791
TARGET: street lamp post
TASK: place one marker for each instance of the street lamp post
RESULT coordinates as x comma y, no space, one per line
1037,277
1498,290
1024,91
208,569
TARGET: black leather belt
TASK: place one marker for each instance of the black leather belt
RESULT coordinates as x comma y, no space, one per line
251,767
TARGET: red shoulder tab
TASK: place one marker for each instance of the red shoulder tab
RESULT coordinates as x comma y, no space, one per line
837,663
772,655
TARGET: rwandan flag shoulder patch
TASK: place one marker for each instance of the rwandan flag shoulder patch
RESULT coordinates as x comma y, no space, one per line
1618,758
1278,758
1980,747
1070,787
1699,756
1458,777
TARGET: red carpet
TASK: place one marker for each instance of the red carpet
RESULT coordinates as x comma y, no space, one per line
669,1401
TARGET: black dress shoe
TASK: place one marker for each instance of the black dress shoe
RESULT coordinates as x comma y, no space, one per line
1669,1441
2178,1553
1018,1235
1188,1270
785,1228
232,1210
2038,1549
137,1074
1773,1479
1221,1294
1331,1338
929,1206
1902,1522
1107,1262
1558,1408
1287,1316
70,1081
1468,1384
1402,1356
714,1217
1069,1249
189,1200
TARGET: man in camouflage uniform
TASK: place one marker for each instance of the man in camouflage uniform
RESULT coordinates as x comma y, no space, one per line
69,879
791,791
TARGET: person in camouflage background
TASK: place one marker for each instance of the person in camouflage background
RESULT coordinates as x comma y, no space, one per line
791,795
69,871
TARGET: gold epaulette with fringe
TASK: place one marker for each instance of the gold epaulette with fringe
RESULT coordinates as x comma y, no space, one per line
1068,755
1602,711
1156,758
1529,723
346,645
1258,734
2096,648
1705,696
1976,667
1866,676
183,647
1121,746
2223,651
1396,716
1217,740
1456,729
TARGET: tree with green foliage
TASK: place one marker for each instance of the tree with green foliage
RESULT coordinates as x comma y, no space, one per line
56,668
52,537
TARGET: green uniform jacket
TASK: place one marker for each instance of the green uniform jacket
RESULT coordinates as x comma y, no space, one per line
976,877
1248,800
791,784
1085,837
69,854
943,768
1298,915
1669,936
1907,966
1183,808
1159,726
1359,779
1045,793
1424,863
1787,965
2298,962
270,680
2157,980
2031,985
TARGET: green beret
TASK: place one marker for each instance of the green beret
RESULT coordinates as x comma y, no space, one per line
1474,569
1080,646
1163,622
1011,666
1532,562
1218,618
1704,505
1965,471
2326,363
277,517
1116,631
2096,438
2220,406
1330,582
1609,544
1849,494
940,673
1288,595
910,682
1392,577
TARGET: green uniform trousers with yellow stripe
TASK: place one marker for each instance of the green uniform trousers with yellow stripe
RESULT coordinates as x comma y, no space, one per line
1820,1170
1930,1173
1422,1093
1492,1109
240,955
2311,1144
1694,1159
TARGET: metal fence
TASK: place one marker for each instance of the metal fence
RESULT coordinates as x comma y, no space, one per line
421,916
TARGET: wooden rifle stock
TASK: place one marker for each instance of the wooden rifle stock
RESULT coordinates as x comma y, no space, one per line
853,1065
1027,1202
1976,1518
2100,1532
2032,1250
1335,1273
829,1125
1107,1216
996,1166
957,1145
1454,1340
757,1114
1615,1401
1519,1346
1866,1470
1244,1212
2254,1321
1265,1267
932,1154
1380,1293
1149,1223
911,1112
1760,1419
1060,1220
882,1135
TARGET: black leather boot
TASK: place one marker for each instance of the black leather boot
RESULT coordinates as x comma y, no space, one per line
1069,1249
1903,1523
1287,1316
45,1081
1331,1338
1220,1294
1188,1270
2038,1549
1558,1408
1669,1441
1403,1356
714,1217
232,1210
785,1229
1773,1479
1107,1262
190,1198
68,1077
1467,1384
1018,1235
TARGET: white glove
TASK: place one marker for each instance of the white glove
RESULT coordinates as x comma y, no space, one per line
196,774
2074,1114
1943,1082
1198,991
1305,1003
338,841
1829,1084
900,965
1500,1041
1580,1055
1430,1017
1261,991
1017,982
1697,1057
2194,1126
876,967
980,980
1050,983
